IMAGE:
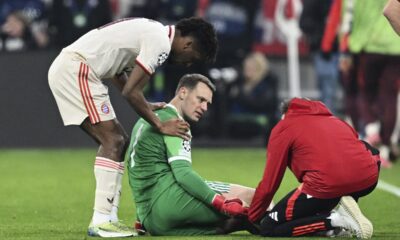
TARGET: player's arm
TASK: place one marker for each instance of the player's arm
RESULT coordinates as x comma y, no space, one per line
133,92
120,80
278,148
195,186
392,13
191,181
179,158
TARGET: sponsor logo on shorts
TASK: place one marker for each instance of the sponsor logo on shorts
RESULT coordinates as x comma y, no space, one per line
105,108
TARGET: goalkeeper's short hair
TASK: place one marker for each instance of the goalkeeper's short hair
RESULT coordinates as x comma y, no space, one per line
190,81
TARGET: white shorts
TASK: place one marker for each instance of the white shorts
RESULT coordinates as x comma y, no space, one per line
78,92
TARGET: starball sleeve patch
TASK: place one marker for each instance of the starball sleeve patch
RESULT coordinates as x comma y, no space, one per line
186,145
161,58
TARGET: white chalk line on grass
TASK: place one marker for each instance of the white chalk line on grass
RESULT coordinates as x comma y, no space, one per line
389,188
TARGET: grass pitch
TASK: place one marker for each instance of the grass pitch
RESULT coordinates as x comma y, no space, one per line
48,194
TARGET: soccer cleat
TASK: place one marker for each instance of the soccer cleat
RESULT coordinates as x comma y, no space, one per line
336,232
110,229
372,133
385,163
373,139
123,226
341,233
353,218
384,156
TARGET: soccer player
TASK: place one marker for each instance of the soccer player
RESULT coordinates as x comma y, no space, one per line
127,51
332,165
171,198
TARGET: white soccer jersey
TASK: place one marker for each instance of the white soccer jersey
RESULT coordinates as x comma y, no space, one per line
118,46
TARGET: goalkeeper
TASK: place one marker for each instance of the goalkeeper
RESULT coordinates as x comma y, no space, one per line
170,198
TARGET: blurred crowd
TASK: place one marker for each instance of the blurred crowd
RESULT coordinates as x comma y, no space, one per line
350,44
245,80
33,24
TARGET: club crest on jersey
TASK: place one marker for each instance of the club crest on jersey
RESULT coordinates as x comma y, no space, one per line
105,108
186,146
161,58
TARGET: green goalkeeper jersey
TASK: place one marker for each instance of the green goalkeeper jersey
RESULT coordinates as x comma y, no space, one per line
157,161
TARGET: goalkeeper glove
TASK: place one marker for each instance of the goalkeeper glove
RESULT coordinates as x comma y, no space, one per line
232,207
139,228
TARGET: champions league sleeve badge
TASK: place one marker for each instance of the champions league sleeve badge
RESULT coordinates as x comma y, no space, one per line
186,146
161,58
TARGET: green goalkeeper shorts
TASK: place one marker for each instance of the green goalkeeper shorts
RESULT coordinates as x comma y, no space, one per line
178,213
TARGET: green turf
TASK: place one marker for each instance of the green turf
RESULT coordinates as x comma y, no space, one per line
48,194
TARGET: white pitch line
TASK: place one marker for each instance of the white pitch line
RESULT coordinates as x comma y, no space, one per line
389,188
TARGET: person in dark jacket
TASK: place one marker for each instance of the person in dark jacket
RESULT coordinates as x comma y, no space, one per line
332,166
314,23
253,99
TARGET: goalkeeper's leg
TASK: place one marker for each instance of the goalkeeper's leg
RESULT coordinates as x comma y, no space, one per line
176,212
225,227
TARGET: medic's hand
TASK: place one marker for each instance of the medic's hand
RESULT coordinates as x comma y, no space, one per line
232,207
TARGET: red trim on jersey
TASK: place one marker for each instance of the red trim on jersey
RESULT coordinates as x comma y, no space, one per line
169,31
143,67
290,204
309,228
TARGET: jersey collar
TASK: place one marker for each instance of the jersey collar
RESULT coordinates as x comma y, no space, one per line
179,116
175,110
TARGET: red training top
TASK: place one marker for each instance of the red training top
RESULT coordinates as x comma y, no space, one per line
322,151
